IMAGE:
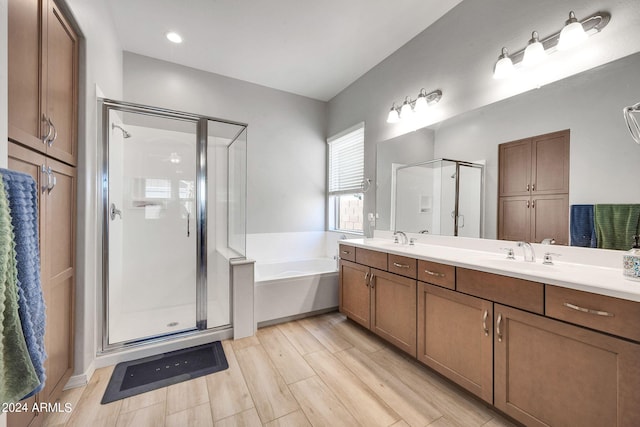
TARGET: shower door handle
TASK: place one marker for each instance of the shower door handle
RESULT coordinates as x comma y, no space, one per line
188,224
113,211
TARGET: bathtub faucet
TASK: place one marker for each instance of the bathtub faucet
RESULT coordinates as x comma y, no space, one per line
405,240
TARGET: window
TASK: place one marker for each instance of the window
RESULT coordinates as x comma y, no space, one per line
346,173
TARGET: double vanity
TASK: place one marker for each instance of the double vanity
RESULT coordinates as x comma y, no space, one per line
554,344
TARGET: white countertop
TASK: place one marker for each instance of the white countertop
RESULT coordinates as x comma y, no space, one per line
599,279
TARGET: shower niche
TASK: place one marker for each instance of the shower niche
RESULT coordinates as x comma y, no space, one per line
174,198
443,197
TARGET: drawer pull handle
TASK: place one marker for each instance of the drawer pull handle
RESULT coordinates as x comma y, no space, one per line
484,323
498,324
434,273
372,284
588,310
401,265
346,252
366,276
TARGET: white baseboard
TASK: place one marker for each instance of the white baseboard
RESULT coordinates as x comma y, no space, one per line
82,379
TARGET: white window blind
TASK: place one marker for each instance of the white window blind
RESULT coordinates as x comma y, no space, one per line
346,161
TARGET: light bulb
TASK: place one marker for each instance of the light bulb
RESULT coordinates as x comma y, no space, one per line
393,116
572,34
406,110
504,66
534,53
421,103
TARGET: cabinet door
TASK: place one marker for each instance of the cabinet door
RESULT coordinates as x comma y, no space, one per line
24,72
455,337
515,168
354,292
514,218
550,170
550,218
549,373
59,274
62,82
393,309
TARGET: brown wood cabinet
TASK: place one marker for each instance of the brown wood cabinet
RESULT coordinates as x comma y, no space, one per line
544,355
354,295
393,309
43,135
455,337
43,79
379,300
57,187
533,183
549,373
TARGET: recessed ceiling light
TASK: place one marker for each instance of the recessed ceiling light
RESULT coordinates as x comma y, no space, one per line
174,37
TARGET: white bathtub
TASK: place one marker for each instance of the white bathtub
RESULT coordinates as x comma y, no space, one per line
293,288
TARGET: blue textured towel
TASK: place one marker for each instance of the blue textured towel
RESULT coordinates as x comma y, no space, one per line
22,194
583,229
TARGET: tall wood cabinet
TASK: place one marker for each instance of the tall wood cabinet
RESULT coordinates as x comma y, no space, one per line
43,139
533,188
43,79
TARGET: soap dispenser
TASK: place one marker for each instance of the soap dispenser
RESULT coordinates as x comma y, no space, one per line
631,261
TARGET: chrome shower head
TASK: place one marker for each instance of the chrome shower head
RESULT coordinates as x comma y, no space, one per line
125,134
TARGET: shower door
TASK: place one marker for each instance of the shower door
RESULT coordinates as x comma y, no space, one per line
150,225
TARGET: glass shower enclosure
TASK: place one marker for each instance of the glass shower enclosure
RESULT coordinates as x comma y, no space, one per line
174,208
442,196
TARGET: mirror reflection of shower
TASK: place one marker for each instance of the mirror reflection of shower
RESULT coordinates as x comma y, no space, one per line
439,196
125,134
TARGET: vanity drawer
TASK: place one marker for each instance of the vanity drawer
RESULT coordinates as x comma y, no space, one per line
608,314
371,258
347,252
437,274
403,266
518,293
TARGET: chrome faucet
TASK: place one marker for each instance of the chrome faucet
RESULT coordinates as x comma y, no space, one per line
405,240
532,254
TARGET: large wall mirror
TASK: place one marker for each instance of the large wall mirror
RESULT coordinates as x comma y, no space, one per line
604,159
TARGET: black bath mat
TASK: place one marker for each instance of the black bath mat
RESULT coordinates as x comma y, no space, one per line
153,372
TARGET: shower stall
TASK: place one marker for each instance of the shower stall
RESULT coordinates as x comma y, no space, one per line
442,196
174,208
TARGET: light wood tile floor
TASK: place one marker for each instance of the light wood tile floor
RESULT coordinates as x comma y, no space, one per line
319,371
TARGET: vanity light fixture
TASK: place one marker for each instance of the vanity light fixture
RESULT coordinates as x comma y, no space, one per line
536,50
174,37
413,106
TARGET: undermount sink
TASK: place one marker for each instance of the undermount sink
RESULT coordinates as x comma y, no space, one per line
519,265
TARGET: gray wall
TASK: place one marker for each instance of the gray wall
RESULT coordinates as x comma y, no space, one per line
457,53
603,157
100,69
286,137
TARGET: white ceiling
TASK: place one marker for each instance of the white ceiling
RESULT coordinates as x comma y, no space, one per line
307,47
